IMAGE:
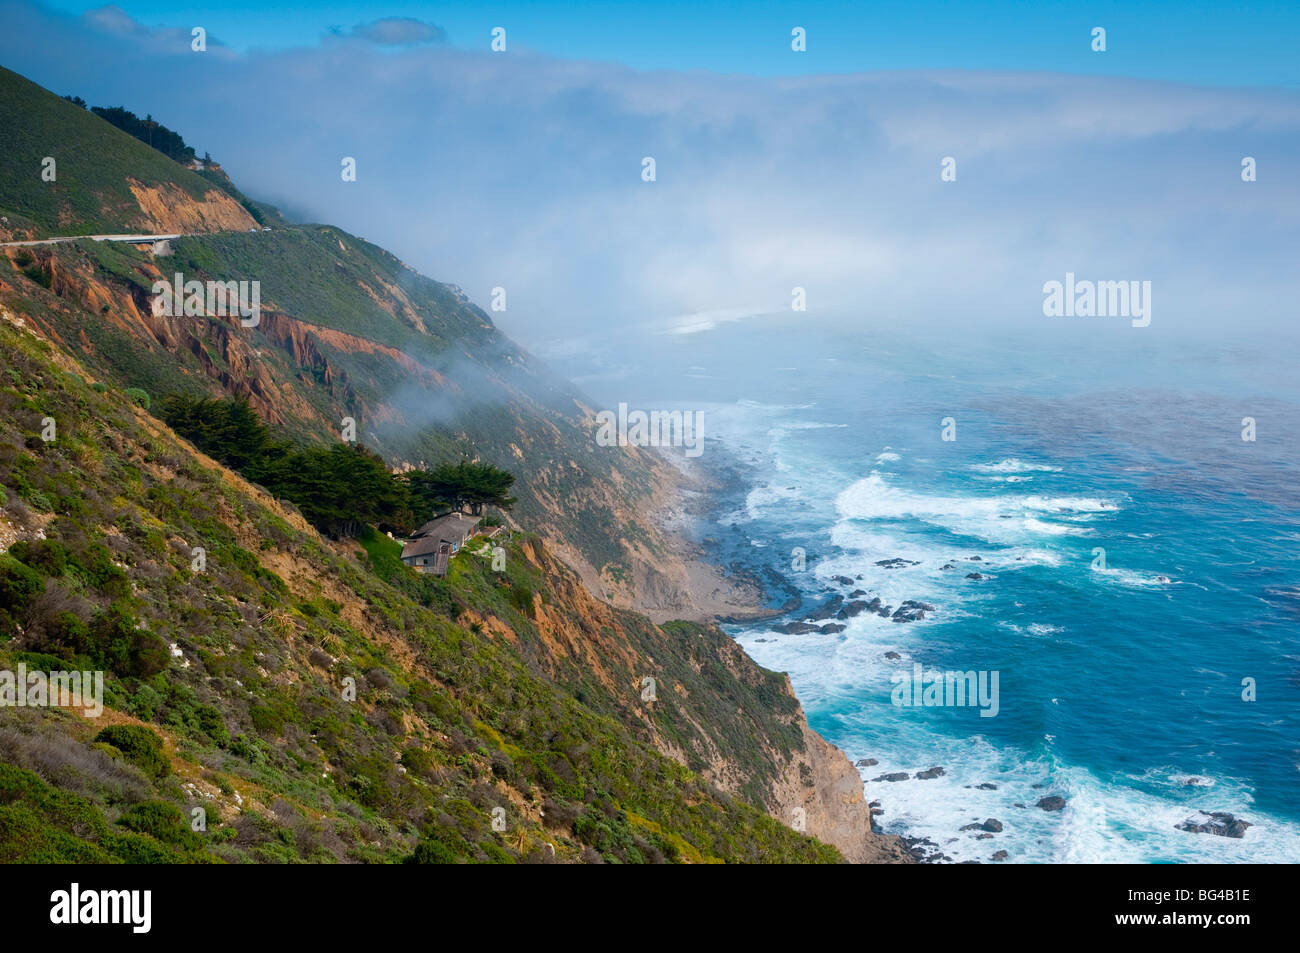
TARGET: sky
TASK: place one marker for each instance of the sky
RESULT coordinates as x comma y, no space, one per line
774,170
1235,43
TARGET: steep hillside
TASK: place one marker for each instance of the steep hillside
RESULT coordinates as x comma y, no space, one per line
498,692
347,330
104,180
511,690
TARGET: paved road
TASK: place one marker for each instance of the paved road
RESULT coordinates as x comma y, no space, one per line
134,239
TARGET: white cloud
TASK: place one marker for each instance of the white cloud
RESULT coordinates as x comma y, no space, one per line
524,171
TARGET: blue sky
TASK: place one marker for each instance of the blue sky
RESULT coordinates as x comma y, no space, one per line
1222,43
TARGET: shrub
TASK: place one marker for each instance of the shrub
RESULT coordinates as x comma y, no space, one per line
140,746
266,720
48,555
431,852
119,642
212,724
162,820
138,396
25,838
18,584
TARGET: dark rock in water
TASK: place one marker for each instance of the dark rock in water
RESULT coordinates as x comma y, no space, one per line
911,610
896,776
930,774
826,610
854,608
947,566
893,656
795,628
992,825
924,850
1018,804
1036,786
858,577
1052,803
974,575
866,762
969,827
760,640
1194,783
983,836
857,592
1220,823
897,563
986,786
884,611
830,628
975,559
844,580
999,856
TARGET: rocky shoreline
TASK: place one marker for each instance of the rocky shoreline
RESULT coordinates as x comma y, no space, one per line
821,788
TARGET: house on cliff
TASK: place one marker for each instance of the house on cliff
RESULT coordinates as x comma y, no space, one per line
433,544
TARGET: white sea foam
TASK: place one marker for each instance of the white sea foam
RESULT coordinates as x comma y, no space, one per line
1014,465
1038,629
1135,580
1102,822
1000,518
763,497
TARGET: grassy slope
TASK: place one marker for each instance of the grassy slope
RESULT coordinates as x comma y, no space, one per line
454,716
94,159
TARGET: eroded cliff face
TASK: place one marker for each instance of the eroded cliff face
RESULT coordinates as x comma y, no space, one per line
602,512
835,810
166,208
730,730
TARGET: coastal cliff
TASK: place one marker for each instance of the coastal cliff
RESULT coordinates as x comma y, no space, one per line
321,700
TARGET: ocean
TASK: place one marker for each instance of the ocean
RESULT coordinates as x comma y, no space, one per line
1096,531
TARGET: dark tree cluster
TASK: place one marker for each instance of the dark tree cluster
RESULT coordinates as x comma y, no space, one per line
339,489
147,130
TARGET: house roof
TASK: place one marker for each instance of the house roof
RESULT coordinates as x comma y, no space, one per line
453,527
423,546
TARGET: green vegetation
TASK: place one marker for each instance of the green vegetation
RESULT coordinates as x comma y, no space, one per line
463,485
139,745
318,700
341,489
448,722
148,130
90,193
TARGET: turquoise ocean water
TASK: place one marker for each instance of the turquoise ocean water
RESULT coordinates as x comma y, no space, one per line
1120,688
